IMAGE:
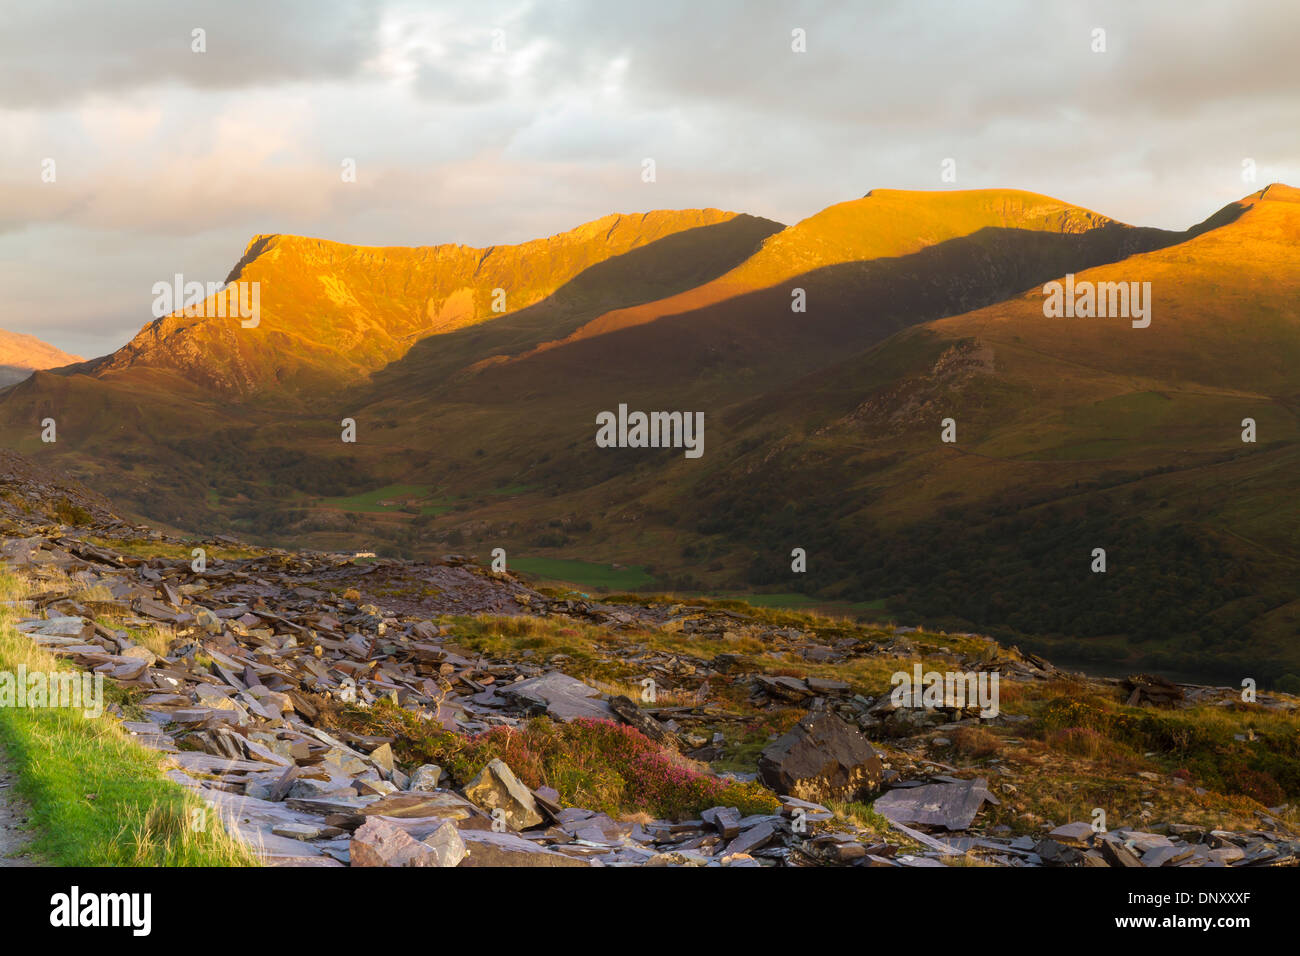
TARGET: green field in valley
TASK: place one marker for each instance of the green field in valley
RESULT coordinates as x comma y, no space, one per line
584,573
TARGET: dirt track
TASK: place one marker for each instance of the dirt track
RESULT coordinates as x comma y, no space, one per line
13,816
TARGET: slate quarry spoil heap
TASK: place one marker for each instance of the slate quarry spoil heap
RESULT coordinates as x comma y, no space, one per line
262,644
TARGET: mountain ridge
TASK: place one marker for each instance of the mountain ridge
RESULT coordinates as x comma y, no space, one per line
822,425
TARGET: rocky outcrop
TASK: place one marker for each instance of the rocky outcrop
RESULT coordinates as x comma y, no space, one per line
822,758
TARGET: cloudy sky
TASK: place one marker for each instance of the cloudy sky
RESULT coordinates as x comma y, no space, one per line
494,122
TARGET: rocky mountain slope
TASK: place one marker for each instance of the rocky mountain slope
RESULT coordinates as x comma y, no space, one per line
304,695
332,313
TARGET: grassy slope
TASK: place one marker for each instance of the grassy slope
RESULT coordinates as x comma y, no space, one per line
96,797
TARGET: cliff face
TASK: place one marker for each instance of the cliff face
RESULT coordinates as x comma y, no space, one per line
330,313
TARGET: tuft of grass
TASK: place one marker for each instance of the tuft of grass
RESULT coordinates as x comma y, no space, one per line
71,514
859,814
975,742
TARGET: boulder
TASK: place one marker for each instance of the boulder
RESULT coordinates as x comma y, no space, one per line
379,843
823,758
563,697
425,777
496,787
488,848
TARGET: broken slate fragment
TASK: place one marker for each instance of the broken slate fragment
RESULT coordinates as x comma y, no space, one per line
379,843
425,777
952,806
823,758
725,819
629,713
560,695
488,848
496,787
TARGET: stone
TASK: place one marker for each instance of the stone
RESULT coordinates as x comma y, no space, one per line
1165,855
725,819
952,806
1057,854
1073,834
496,787
1117,854
1227,855
140,652
489,848
752,839
447,845
425,777
823,758
626,710
383,757
208,621
1151,689
304,831
377,787
379,843
560,695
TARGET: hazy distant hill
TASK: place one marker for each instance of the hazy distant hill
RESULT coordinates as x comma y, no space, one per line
21,354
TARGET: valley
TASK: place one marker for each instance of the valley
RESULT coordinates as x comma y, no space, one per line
475,429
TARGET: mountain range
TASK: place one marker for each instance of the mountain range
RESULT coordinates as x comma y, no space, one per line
831,359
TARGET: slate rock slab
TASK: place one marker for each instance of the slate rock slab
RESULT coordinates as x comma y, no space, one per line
563,697
952,806
497,788
488,848
823,758
629,713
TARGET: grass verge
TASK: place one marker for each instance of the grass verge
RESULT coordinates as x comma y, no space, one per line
97,798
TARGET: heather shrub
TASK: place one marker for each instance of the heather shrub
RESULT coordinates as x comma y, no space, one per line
610,767
1256,784
595,764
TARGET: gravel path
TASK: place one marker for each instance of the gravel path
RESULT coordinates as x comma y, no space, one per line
13,816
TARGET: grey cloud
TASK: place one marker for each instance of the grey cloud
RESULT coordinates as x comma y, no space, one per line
54,52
